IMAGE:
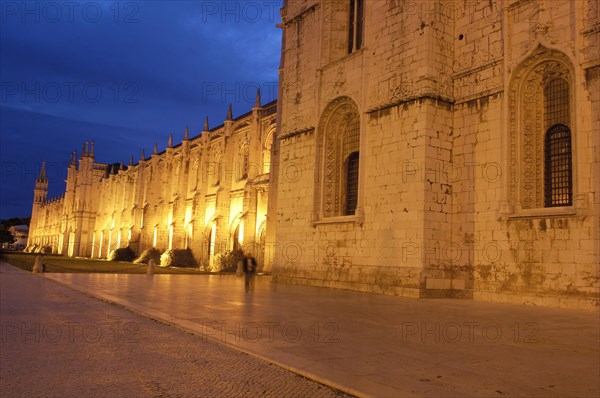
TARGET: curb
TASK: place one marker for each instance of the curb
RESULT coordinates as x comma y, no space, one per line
306,374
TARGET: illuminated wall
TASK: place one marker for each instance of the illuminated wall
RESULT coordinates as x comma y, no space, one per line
197,194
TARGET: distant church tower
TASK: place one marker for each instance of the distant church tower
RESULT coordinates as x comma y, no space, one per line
40,191
40,194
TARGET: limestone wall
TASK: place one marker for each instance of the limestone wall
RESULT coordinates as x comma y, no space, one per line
440,205
210,187
542,257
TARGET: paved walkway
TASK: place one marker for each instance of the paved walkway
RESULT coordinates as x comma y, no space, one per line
57,342
375,345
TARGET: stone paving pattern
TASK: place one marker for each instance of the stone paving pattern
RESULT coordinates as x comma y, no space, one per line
361,343
375,345
74,345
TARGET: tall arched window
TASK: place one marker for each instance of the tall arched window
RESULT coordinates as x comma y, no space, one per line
244,162
216,172
339,158
268,144
541,128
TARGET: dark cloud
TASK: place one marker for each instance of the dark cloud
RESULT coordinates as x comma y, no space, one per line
125,74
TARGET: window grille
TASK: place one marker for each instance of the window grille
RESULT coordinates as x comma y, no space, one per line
558,174
556,103
351,183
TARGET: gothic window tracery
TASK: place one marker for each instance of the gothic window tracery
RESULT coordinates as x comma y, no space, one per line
339,152
541,117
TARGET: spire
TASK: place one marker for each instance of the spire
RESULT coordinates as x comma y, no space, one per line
186,135
82,150
170,143
73,160
43,172
155,149
143,155
131,160
229,113
121,167
87,147
205,124
92,150
257,102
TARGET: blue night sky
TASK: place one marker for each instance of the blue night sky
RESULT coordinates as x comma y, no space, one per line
125,75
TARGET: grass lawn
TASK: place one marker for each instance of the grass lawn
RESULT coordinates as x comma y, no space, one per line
79,265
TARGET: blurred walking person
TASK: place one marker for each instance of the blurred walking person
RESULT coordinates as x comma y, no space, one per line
249,272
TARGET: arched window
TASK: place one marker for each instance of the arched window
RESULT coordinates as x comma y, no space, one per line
244,162
268,144
339,158
541,129
216,173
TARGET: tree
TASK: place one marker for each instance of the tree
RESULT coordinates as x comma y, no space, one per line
5,236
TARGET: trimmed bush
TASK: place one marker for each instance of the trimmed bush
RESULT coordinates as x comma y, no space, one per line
229,260
147,255
178,258
122,254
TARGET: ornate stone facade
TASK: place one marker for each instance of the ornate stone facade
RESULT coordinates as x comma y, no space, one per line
209,194
454,100
413,155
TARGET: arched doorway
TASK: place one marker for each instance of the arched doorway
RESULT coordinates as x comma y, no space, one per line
236,239
71,246
209,246
260,253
